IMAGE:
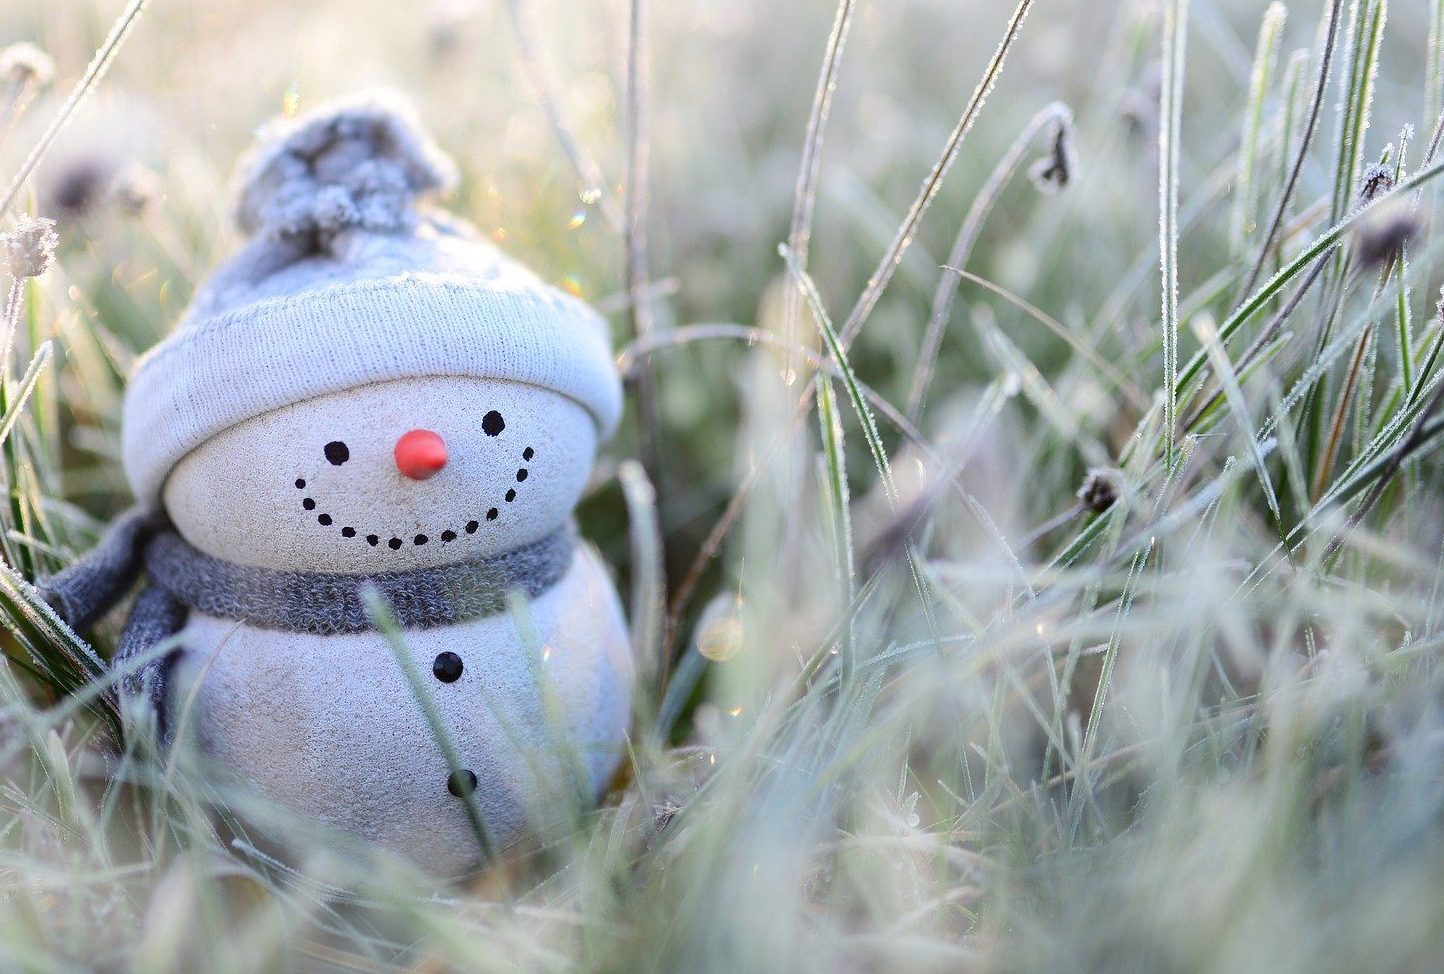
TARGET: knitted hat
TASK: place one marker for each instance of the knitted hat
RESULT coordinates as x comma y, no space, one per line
346,281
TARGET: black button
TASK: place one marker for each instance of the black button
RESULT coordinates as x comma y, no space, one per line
461,783
447,667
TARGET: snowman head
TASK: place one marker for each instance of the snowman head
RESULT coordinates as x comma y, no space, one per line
367,385
399,474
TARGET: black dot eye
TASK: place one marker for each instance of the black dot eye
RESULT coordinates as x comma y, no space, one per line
447,667
461,783
492,424
337,453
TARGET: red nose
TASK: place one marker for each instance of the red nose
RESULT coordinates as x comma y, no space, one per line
420,454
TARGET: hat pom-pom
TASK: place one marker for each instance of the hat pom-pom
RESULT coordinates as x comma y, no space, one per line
356,164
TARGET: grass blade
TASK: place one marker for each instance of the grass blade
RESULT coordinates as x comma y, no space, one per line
1250,307
1265,61
837,509
892,258
648,595
1316,108
1058,116
1175,40
804,199
838,352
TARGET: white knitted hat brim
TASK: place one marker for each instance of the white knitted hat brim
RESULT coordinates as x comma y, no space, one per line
282,351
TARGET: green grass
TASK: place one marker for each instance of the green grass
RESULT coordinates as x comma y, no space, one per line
906,702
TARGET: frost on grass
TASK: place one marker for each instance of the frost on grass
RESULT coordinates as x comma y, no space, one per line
29,246
25,66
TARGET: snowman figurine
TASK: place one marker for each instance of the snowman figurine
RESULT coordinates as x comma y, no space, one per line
370,403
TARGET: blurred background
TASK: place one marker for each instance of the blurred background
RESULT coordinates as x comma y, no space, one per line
731,84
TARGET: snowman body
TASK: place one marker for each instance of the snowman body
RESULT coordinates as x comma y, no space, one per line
534,701
331,726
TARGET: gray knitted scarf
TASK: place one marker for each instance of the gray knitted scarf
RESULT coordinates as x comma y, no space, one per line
181,579
327,604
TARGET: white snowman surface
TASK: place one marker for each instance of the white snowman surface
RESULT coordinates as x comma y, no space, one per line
330,725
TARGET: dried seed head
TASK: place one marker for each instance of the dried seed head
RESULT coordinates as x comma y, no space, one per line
25,67
1053,172
1101,489
1381,237
135,190
1139,115
1377,182
78,188
29,248
449,22
1139,105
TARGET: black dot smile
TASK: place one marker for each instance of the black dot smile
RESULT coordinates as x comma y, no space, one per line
338,454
